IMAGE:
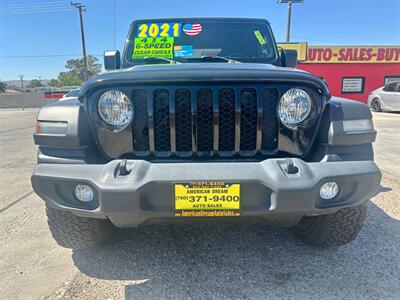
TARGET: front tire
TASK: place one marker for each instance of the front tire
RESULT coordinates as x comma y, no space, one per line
71,231
332,230
376,105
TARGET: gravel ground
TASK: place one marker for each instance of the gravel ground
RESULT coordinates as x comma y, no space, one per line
193,261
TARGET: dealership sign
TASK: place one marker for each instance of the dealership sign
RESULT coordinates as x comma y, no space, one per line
353,54
345,54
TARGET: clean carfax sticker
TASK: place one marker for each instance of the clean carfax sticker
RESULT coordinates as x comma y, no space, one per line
159,30
183,51
153,47
259,37
192,29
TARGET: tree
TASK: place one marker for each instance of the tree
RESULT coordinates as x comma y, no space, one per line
77,67
68,79
3,87
53,83
35,83
75,75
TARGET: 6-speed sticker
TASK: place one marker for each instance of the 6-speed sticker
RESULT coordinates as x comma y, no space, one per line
153,47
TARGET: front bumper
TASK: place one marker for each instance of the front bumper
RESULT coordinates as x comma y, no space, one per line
146,193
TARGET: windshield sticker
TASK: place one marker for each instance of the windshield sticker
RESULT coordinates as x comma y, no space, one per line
153,47
259,37
192,29
159,30
183,51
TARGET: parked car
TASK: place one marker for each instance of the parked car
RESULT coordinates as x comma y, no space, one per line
385,98
205,122
72,94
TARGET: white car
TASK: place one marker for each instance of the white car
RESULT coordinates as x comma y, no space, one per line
72,94
385,98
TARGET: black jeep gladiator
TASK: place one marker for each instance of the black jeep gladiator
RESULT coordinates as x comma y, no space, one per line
204,119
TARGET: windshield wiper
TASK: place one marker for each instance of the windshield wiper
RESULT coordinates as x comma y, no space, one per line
158,60
150,58
212,59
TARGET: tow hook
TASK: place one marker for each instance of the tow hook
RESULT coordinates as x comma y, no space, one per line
123,170
290,167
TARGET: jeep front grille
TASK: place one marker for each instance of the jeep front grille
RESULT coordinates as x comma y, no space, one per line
204,121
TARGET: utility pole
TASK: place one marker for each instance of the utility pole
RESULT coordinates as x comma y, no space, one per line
289,19
115,24
21,77
81,9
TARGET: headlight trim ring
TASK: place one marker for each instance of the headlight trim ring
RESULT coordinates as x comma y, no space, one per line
108,112
287,105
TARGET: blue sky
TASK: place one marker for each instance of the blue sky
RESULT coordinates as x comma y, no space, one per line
30,29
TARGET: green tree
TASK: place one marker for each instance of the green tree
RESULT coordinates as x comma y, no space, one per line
3,87
68,79
77,67
53,83
35,83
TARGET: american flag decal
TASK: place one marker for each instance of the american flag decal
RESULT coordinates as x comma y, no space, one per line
192,29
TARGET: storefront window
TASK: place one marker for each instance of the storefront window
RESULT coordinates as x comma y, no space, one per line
353,85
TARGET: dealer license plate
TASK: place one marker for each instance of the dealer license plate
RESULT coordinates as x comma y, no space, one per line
207,199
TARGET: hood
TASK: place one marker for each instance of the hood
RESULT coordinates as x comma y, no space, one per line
377,90
203,72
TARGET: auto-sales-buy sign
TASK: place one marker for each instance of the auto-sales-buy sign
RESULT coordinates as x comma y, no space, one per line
359,54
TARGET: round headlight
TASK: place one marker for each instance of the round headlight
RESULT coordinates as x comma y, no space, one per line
294,107
115,108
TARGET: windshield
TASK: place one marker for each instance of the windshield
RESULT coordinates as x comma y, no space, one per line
187,41
73,93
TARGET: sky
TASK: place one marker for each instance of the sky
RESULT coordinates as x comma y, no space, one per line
37,37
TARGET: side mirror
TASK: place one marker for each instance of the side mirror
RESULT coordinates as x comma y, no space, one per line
112,60
289,58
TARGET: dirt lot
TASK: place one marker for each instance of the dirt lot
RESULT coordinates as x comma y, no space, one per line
197,261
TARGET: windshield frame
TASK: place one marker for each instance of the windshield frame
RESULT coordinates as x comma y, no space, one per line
275,60
72,91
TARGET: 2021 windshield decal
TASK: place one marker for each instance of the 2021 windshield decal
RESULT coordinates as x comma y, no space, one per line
159,30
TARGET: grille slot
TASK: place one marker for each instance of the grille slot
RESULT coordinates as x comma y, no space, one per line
183,120
227,120
269,140
162,138
205,121
248,120
140,127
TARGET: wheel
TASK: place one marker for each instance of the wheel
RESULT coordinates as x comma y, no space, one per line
376,105
332,230
71,231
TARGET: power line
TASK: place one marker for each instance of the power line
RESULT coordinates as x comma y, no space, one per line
34,6
45,55
34,12
23,2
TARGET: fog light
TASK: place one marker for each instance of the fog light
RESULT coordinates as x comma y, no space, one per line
83,193
329,190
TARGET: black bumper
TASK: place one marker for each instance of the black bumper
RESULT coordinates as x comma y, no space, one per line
146,193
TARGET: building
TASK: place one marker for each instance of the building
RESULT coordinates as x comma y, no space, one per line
350,71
